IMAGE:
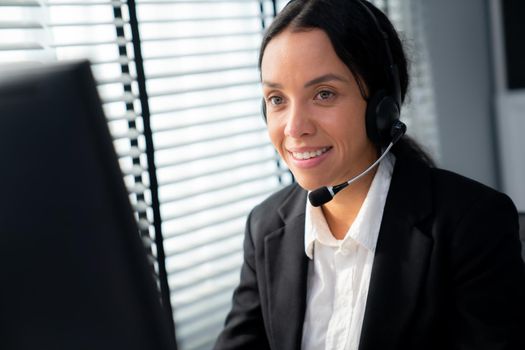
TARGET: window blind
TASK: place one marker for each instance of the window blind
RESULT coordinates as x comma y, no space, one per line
213,157
420,107
23,34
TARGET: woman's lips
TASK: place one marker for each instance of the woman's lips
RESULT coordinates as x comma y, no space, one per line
311,154
308,158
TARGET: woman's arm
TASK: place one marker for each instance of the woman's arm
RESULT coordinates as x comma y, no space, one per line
488,278
244,328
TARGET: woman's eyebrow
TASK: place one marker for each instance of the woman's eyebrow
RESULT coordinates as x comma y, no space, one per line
272,85
322,79
325,78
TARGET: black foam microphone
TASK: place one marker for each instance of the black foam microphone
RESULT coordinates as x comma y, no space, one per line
325,194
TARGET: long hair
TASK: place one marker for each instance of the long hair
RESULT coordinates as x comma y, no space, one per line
359,45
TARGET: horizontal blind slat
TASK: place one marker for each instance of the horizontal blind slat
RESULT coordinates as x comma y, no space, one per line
115,3
141,207
210,258
194,335
123,79
116,22
119,41
136,170
208,265
227,185
126,98
129,116
219,272
19,3
215,171
206,243
205,122
192,229
207,342
133,152
164,75
198,19
212,138
231,200
222,302
202,36
170,110
131,134
137,188
205,88
120,60
20,25
198,297
190,310
198,54
21,46
191,2
211,155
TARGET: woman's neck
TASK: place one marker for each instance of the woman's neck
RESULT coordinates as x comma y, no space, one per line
342,210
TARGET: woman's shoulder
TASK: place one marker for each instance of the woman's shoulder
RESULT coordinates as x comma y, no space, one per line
461,202
271,213
289,195
464,217
445,185
454,188
451,197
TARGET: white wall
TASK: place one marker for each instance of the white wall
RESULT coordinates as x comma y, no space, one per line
459,45
510,117
481,123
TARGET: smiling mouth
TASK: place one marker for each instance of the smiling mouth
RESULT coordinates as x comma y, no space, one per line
309,155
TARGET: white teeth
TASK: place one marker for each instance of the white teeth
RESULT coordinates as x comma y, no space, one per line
308,155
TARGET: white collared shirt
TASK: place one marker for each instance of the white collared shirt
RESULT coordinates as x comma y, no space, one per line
339,274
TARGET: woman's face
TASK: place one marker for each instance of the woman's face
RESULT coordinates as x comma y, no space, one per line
315,110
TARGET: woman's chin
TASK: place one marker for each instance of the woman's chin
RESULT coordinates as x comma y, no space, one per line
309,184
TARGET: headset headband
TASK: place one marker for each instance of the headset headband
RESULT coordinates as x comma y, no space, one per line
392,67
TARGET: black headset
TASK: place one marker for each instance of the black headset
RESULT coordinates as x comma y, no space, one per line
384,106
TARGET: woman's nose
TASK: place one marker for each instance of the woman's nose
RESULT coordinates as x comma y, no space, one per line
298,123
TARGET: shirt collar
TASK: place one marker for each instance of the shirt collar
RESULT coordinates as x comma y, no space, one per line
365,228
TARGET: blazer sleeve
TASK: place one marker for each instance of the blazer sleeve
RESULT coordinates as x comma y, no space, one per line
488,278
244,326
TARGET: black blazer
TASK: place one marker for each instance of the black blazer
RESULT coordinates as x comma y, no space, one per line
447,272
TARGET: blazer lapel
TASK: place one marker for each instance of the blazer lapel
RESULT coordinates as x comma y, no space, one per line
401,258
286,268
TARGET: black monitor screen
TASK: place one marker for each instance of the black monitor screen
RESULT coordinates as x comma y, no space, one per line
73,270
513,12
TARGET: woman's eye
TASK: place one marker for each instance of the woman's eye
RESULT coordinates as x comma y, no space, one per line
275,100
324,95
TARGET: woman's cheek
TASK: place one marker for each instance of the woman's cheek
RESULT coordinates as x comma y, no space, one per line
276,136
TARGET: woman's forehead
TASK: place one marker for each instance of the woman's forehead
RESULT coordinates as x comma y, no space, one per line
304,55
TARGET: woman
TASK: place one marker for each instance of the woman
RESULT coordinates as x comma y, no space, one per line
405,257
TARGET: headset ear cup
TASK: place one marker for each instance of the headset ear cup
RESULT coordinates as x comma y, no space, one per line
371,116
381,112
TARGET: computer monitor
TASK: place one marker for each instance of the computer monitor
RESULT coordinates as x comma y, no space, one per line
73,270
